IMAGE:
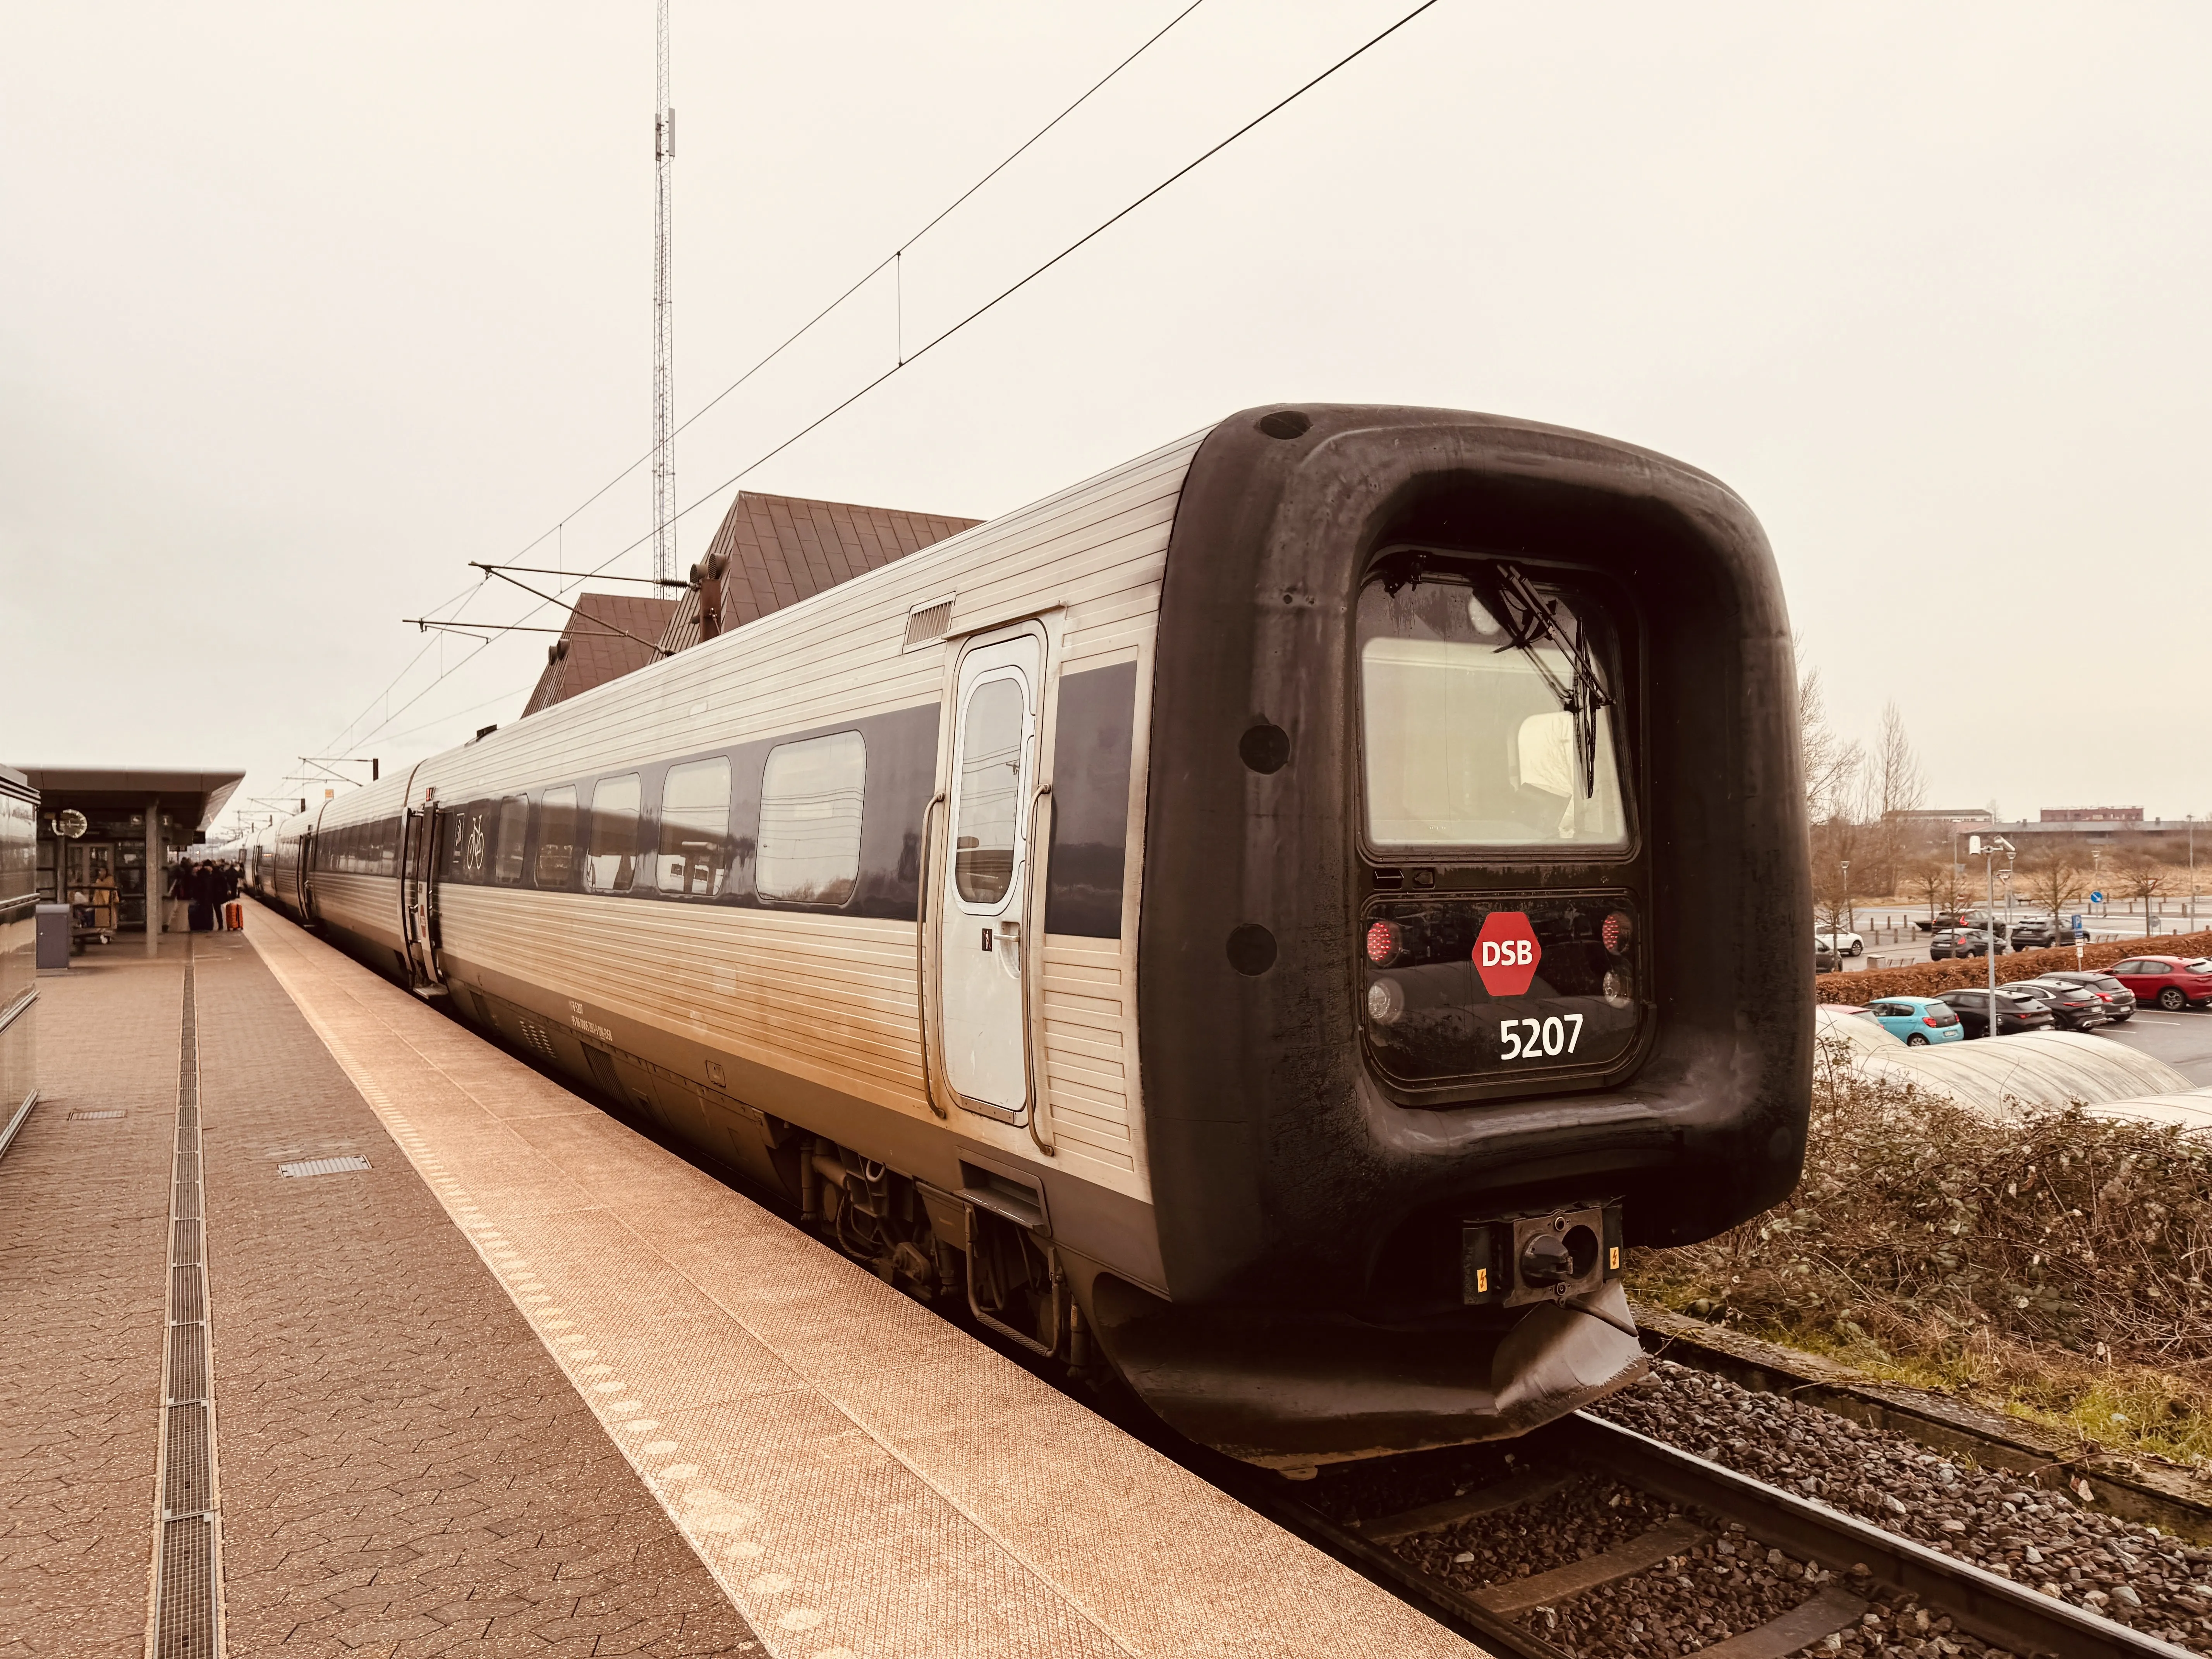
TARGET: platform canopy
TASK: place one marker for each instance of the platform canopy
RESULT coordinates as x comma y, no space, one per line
188,797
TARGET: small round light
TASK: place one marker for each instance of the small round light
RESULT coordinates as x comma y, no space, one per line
1617,930
1386,1001
1619,991
1479,614
1383,943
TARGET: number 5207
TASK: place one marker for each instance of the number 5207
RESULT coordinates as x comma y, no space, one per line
1539,1039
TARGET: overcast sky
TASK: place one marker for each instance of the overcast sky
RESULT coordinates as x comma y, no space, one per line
302,307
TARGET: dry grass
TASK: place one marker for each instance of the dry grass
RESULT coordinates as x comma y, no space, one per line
2052,1265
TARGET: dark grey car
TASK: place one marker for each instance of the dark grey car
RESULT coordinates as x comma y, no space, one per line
2119,1001
1961,942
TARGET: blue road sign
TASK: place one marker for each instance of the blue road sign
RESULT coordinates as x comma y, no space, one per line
2077,924
2096,899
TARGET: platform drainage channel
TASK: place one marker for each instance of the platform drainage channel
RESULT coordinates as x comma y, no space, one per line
320,1166
94,1117
187,1623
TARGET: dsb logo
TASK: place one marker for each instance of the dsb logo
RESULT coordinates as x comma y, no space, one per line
1506,953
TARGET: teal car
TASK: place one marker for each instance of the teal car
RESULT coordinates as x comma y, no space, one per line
1919,1021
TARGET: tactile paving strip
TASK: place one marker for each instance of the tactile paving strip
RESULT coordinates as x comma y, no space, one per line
186,1621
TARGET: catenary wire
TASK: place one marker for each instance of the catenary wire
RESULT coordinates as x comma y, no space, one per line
988,306
1015,287
787,343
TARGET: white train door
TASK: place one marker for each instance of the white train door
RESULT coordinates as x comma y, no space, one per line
983,956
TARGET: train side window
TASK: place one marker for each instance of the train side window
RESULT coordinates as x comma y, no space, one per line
990,790
611,860
514,831
556,839
1091,765
809,820
695,829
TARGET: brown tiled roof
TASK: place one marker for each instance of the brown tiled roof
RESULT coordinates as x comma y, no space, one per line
590,652
775,550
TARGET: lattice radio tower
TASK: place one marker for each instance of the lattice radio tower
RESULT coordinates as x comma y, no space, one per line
663,315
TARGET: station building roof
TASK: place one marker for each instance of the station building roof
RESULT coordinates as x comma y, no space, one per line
608,635
775,550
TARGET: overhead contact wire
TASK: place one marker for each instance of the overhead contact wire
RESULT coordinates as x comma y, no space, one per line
791,340
1004,294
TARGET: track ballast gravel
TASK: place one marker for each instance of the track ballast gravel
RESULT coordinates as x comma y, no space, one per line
2044,1539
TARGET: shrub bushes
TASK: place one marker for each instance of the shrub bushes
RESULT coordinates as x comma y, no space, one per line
2057,1258
1928,979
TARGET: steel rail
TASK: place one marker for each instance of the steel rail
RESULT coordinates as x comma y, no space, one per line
1982,1602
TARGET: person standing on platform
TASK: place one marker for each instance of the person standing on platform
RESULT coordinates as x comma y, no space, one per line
178,896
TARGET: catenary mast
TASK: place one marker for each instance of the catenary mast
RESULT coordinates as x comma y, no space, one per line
663,318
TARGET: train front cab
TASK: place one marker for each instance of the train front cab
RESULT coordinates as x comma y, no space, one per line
1474,881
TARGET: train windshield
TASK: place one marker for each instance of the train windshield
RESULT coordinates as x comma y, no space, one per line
1487,711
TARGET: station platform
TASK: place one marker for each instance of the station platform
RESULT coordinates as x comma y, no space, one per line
529,1383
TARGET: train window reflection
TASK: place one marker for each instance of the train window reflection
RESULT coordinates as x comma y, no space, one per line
611,860
990,790
1468,740
514,831
695,829
556,839
809,820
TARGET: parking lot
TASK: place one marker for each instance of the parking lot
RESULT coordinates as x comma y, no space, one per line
2182,1040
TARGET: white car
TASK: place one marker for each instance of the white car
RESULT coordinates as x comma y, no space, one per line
1844,945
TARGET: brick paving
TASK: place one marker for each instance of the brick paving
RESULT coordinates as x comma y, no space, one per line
83,1249
864,1478
404,1468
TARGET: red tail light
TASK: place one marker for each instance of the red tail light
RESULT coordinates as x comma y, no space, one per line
1618,929
1930,1019
1383,944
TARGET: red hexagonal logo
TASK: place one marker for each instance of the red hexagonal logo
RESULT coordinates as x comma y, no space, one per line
1506,953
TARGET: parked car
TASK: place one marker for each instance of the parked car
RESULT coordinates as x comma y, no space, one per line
2073,1007
2039,933
1943,919
1921,1021
2016,1012
1826,959
1849,944
2119,1001
2172,982
1963,942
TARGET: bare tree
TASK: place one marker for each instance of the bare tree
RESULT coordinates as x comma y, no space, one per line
1935,881
2055,882
1830,761
2141,876
1898,784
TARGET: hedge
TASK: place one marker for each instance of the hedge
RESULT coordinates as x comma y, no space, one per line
1928,979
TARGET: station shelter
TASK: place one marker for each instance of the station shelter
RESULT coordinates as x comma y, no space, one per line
101,829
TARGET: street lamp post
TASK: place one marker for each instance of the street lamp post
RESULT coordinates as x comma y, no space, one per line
1849,915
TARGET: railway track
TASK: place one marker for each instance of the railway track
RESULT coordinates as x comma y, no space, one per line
1813,1574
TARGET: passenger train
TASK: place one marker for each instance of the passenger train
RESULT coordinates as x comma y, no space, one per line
1278,921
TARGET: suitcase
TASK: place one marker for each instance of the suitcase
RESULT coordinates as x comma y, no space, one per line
202,917
234,915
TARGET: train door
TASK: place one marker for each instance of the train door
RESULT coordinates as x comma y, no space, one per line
418,894
983,956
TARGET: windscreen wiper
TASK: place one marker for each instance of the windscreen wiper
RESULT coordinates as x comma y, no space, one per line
1529,620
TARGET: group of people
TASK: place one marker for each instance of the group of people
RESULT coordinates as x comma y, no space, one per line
200,893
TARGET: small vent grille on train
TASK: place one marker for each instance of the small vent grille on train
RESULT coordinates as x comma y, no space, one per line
928,622
535,1034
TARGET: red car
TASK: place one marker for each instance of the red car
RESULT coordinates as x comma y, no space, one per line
2172,982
